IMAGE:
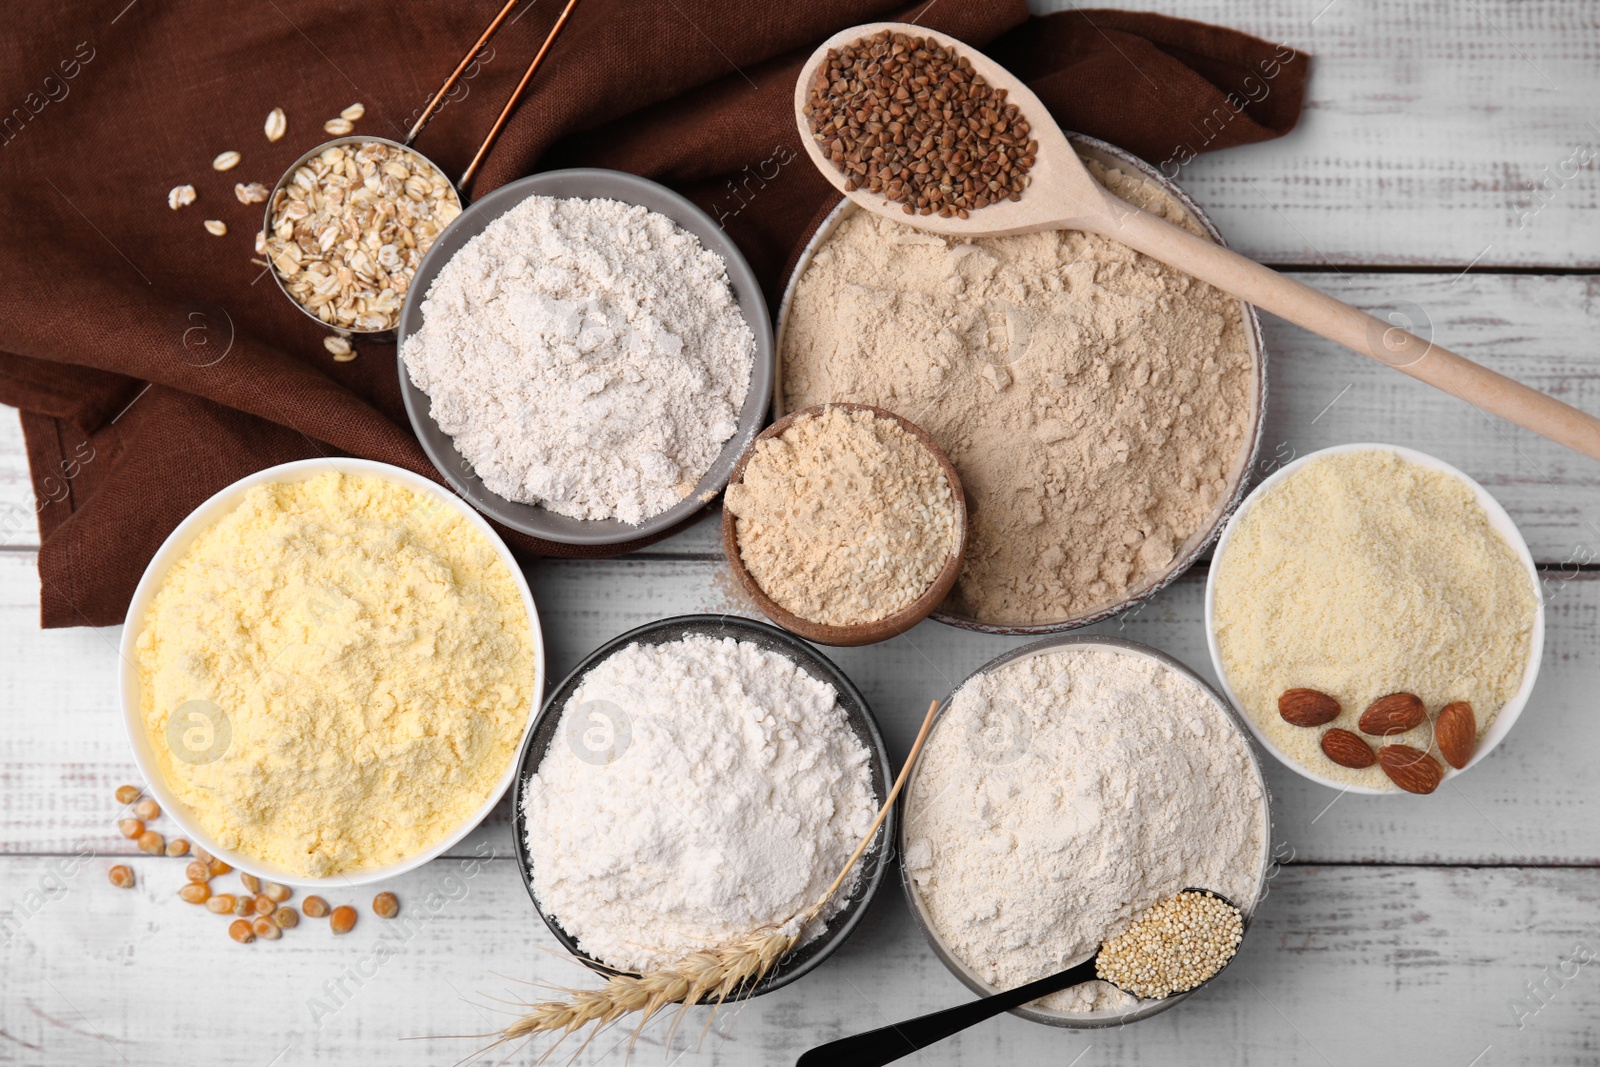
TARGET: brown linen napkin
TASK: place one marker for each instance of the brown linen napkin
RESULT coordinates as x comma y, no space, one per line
154,364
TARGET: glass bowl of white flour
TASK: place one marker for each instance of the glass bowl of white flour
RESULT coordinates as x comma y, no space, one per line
695,779
583,355
1066,787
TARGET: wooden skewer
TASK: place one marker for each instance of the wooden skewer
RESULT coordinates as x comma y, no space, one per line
883,812
488,142
455,75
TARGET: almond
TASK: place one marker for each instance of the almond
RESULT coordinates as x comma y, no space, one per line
1347,750
1307,707
1410,768
1456,733
1393,714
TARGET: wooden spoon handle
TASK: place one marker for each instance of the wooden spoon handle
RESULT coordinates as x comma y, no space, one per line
1484,389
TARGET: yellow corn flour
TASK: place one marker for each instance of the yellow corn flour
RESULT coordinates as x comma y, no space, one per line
352,667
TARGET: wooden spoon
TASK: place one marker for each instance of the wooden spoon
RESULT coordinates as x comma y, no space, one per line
1063,196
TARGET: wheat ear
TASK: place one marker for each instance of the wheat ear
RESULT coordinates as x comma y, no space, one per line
710,975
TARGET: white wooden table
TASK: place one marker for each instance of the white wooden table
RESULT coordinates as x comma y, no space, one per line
1398,930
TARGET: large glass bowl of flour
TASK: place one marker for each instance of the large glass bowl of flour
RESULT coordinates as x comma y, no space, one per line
1067,786
1033,394
533,439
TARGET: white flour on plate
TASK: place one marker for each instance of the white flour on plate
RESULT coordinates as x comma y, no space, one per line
1062,794
586,355
694,792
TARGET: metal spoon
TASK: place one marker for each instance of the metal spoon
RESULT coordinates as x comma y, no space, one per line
1064,196
889,1043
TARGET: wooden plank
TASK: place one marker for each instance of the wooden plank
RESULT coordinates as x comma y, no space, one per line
1343,965
1536,328
19,525
1428,131
1533,802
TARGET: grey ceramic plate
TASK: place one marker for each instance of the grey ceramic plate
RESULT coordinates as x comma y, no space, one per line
1144,1009
808,659
591,184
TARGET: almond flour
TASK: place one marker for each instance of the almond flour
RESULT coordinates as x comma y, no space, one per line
1361,575
1097,404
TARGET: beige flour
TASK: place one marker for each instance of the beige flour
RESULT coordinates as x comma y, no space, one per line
1096,403
1362,574
362,665
1062,794
844,517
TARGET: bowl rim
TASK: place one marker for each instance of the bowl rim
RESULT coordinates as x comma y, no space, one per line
873,864
202,518
851,634
1200,541
1123,646
600,184
1499,521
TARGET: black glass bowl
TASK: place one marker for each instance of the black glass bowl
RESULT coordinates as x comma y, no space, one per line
872,863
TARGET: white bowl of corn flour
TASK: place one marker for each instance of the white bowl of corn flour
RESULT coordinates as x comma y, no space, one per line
328,669
694,781
1067,787
1366,570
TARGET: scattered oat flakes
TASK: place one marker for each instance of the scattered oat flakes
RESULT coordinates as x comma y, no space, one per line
353,112
277,124
346,358
226,161
338,127
181,196
336,344
254,193
216,227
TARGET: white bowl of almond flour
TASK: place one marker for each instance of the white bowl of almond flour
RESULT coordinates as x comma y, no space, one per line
1066,787
1103,410
1366,570
583,355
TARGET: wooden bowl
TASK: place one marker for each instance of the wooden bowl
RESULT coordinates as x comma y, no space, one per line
865,633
